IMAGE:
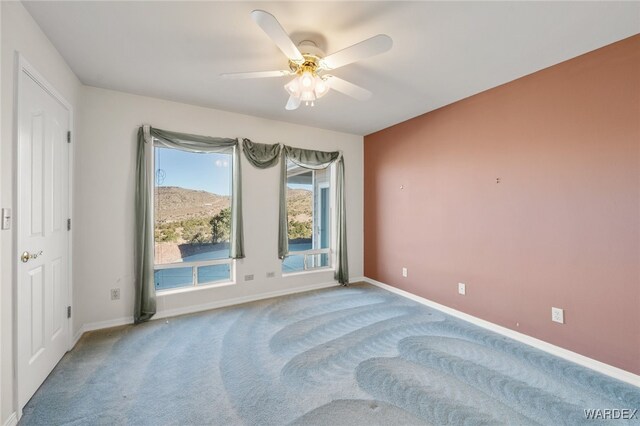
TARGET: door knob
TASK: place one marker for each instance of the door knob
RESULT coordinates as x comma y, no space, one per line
26,256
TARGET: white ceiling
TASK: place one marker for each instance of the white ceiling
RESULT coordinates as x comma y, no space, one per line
443,51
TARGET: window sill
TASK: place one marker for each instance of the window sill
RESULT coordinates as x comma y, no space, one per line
311,271
189,289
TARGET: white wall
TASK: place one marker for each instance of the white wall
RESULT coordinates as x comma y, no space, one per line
105,127
19,33
104,215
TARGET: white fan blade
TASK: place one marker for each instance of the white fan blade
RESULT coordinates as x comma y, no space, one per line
292,103
274,30
365,49
347,88
257,74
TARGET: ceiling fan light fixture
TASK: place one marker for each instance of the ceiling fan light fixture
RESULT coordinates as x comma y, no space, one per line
293,87
307,86
321,87
307,80
308,96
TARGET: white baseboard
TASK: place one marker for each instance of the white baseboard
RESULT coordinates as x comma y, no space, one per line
108,324
582,360
99,325
77,337
92,326
238,300
12,420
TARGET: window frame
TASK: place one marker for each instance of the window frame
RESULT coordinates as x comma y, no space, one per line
330,251
194,265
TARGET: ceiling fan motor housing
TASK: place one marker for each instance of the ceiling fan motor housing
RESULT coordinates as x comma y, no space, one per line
309,47
312,55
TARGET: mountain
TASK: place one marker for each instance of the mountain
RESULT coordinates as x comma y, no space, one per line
175,204
299,205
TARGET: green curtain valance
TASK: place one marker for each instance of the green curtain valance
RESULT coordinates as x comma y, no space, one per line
148,137
309,158
261,155
191,143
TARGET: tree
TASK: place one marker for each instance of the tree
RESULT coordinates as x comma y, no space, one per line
166,232
221,226
199,238
299,229
170,234
196,230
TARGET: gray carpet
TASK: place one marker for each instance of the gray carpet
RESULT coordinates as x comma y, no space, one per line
351,356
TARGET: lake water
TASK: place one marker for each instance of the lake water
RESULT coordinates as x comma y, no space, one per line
182,277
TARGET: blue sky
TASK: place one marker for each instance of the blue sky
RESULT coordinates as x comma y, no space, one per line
207,172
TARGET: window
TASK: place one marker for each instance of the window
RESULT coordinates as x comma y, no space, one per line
309,207
192,218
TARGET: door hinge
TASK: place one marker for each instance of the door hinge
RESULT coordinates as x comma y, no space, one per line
69,136
68,224
68,311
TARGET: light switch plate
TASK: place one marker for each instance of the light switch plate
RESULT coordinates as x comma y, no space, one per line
6,218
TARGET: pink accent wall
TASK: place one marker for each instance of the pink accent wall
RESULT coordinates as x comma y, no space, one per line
562,228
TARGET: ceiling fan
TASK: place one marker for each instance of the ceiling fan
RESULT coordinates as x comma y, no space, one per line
309,65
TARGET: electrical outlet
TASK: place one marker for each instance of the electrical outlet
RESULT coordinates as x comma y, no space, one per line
557,315
404,272
248,277
271,274
462,288
115,294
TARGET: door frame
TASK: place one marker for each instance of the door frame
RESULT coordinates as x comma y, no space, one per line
23,66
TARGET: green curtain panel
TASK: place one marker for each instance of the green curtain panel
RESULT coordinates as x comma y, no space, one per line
342,271
148,137
145,303
261,155
283,224
237,229
315,160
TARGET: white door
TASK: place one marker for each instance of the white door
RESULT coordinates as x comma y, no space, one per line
42,212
